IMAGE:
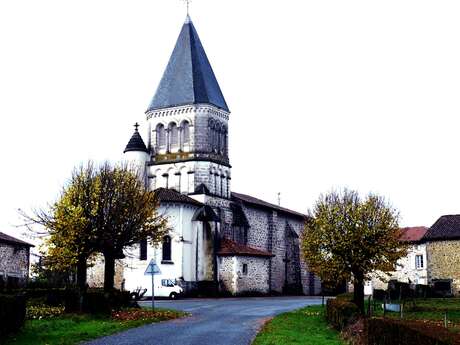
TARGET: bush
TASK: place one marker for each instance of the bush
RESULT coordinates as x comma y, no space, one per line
389,332
12,313
97,301
340,313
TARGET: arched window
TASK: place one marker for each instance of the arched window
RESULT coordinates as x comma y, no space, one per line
166,250
161,136
185,130
173,135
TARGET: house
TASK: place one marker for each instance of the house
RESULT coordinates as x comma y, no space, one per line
14,261
219,239
443,254
410,269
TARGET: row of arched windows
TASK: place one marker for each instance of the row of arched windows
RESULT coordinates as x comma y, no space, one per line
172,137
218,135
180,180
220,183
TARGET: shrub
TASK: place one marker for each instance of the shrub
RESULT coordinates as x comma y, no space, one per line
340,313
12,313
97,301
389,332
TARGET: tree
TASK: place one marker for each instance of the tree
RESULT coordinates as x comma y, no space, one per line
125,215
69,233
347,238
104,209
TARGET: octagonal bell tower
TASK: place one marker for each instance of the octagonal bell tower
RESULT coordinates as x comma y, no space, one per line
188,124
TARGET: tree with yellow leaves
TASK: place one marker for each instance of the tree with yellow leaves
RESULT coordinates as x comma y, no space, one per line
348,238
103,209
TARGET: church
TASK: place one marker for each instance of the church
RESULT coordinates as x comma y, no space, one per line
219,240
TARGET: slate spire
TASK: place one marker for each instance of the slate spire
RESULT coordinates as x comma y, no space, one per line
188,78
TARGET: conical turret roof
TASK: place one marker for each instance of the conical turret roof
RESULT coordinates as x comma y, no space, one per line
136,143
188,78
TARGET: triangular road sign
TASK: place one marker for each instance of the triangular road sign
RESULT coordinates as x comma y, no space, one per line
152,268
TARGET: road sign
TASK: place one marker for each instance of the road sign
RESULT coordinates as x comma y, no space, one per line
152,268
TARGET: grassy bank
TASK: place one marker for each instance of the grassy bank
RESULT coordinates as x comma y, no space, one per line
72,329
304,326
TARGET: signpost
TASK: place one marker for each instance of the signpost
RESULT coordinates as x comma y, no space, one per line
152,270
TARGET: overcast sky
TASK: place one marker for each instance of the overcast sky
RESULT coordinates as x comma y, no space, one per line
323,94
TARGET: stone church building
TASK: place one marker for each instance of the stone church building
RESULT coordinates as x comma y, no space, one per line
219,239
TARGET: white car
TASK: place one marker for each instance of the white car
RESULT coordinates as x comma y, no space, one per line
167,288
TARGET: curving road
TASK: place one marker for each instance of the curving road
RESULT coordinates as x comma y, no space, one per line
226,321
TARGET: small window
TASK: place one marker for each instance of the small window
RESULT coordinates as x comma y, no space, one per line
245,269
419,261
167,283
166,248
143,250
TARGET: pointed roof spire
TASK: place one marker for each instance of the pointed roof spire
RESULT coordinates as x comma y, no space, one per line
188,78
136,143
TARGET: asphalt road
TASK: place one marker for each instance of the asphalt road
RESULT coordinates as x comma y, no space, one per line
227,321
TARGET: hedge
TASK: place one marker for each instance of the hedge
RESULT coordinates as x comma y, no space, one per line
389,332
97,301
12,313
341,312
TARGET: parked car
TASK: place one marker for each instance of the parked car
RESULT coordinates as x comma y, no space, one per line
167,288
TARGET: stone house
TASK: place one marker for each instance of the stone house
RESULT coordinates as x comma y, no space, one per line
219,239
410,269
443,254
14,261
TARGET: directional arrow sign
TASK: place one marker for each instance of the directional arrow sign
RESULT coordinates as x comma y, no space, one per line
152,269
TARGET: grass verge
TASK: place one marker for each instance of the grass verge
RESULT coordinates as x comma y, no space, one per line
73,329
304,326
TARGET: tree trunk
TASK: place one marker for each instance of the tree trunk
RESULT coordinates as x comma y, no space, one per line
358,291
81,274
109,272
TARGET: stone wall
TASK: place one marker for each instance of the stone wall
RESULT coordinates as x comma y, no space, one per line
95,274
234,280
227,277
14,262
444,262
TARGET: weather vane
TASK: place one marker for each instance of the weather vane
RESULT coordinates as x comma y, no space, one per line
187,2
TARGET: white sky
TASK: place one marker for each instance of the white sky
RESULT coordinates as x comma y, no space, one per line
323,94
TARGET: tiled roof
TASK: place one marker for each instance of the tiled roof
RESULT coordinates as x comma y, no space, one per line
446,228
11,240
257,202
188,78
232,248
136,143
413,234
171,195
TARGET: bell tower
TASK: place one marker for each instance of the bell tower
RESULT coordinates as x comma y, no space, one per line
188,123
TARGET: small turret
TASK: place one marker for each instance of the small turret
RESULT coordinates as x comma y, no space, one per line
136,153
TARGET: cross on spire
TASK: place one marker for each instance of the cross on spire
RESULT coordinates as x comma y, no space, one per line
187,2
136,126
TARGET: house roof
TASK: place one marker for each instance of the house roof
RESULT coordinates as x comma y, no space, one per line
188,78
413,234
232,248
445,228
246,199
171,195
4,238
136,143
